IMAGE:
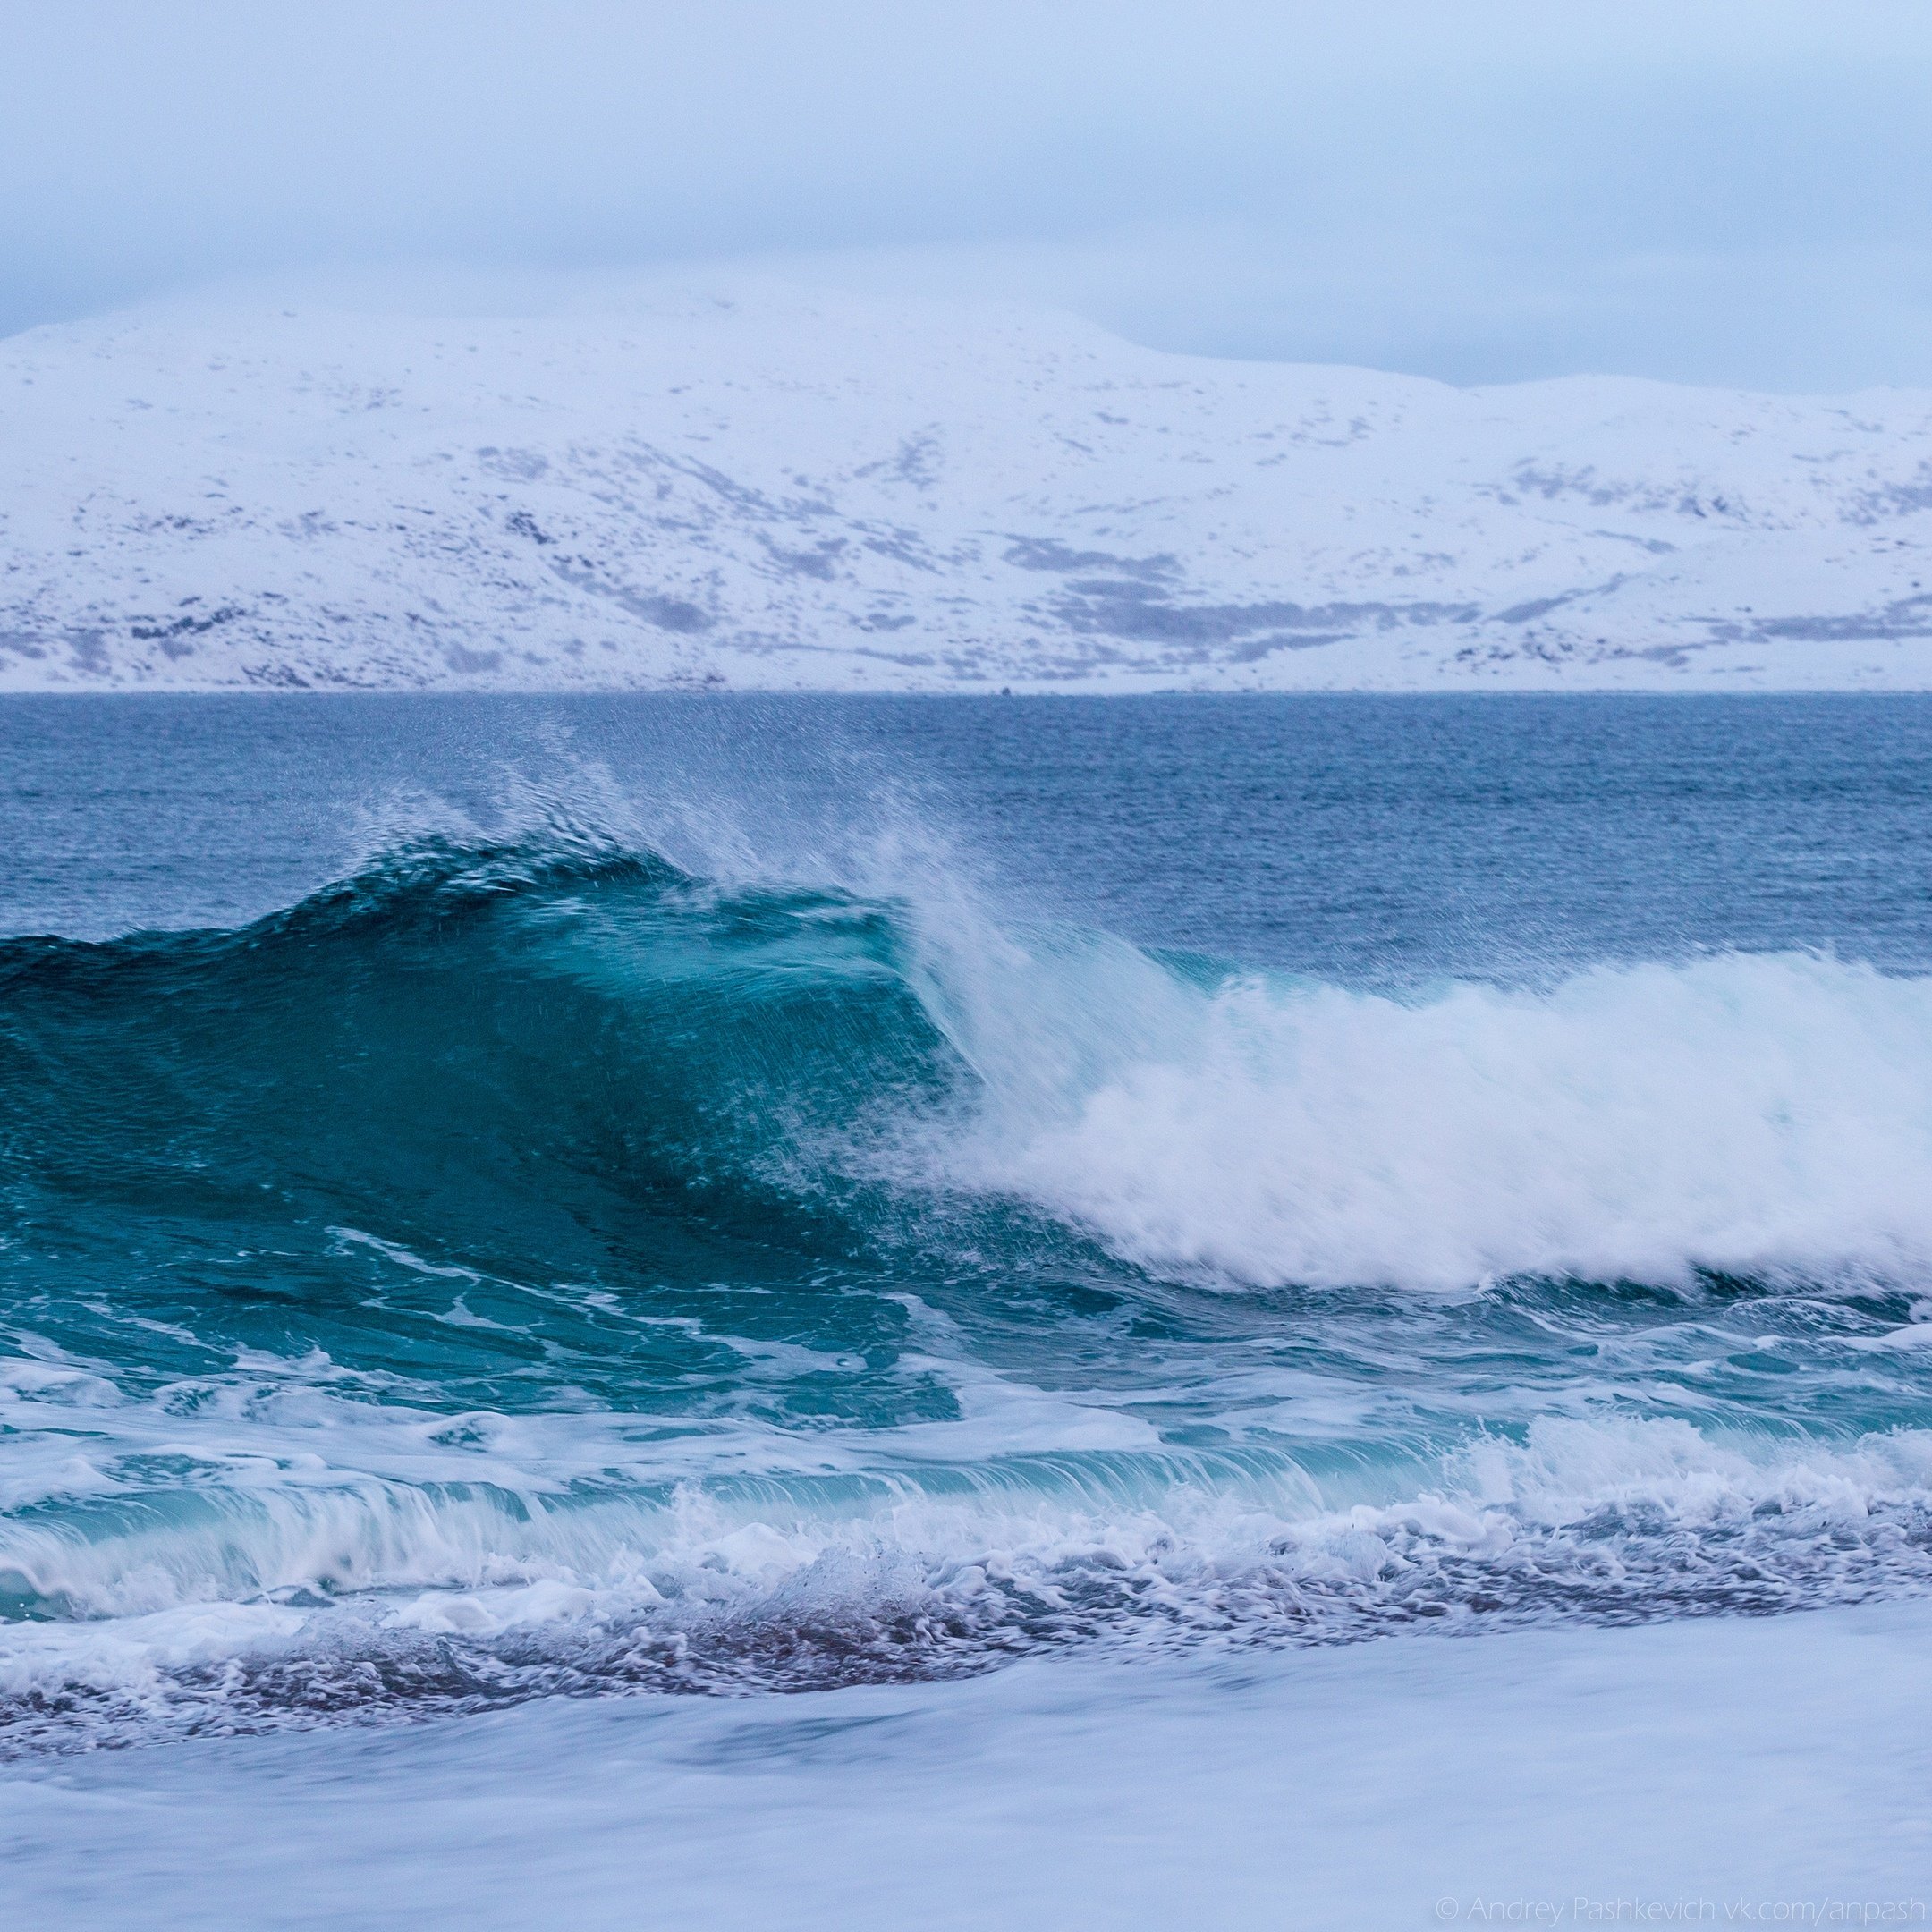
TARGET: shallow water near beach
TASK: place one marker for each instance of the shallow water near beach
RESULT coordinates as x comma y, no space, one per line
505,1198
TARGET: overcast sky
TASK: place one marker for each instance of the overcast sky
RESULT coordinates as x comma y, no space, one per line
1473,189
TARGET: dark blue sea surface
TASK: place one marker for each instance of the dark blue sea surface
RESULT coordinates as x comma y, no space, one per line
514,1196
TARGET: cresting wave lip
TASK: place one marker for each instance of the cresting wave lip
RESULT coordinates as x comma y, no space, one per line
542,1047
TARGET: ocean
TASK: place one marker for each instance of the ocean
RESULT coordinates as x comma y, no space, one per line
524,1212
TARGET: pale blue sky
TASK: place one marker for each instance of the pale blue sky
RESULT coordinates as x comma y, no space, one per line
1475,189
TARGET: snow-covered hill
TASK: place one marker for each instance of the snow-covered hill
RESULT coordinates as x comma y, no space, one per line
784,491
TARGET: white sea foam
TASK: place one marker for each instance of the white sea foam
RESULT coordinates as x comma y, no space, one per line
1747,1114
172,1615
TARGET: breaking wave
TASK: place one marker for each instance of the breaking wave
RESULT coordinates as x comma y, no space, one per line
462,1025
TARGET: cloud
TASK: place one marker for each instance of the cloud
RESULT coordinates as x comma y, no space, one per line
1718,192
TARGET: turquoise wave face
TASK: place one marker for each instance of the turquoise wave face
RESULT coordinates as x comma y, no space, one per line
527,1064
527,1267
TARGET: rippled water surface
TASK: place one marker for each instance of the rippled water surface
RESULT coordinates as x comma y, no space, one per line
514,1196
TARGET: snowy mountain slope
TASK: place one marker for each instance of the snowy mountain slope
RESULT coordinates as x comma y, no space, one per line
786,491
